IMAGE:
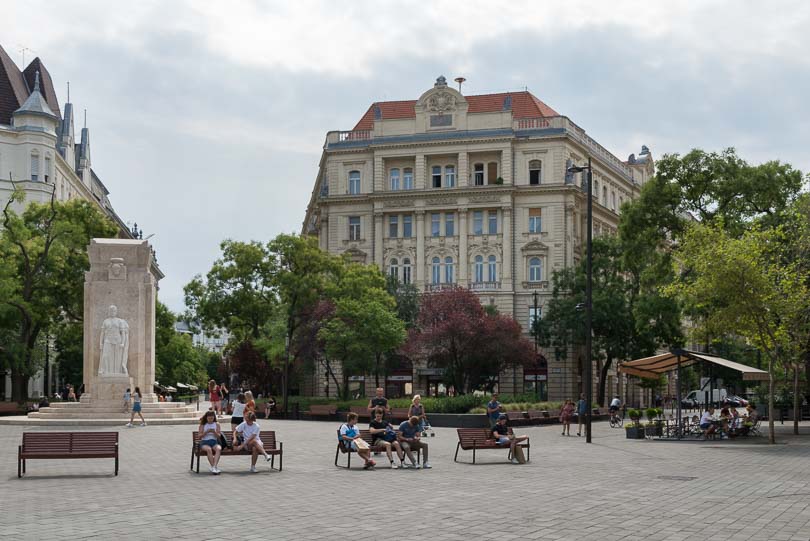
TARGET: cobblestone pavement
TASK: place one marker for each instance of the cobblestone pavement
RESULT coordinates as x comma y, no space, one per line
613,489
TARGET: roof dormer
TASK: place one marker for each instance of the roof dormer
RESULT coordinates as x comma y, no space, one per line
441,109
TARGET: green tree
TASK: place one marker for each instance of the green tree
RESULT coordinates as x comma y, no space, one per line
43,257
176,359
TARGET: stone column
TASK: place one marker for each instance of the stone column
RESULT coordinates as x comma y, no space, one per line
420,248
506,266
463,169
419,172
463,260
378,184
378,240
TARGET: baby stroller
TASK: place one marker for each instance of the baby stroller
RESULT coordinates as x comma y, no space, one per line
427,429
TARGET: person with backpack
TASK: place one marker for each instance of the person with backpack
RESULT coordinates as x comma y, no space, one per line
349,436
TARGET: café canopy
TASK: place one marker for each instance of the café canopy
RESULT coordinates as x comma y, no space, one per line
653,367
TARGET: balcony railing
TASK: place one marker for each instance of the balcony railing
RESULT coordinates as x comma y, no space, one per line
530,123
439,287
484,286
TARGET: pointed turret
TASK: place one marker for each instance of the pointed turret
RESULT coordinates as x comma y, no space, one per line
36,67
83,154
36,103
67,138
35,114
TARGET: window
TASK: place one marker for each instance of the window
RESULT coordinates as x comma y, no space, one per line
435,223
436,271
479,268
407,227
621,201
613,200
448,270
604,195
478,222
406,271
47,168
535,225
478,174
449,224
596,190
395,179
535,269
393,269
450,176
437,176
534,172
493,222
533,316
354,182
34,166
492,172
393,226
492,269
407,179
354,227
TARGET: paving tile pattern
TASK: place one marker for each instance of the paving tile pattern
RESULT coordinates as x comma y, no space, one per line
613,489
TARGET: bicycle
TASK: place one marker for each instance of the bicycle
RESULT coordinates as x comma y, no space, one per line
615,420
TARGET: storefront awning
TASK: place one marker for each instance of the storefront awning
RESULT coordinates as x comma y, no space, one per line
653,367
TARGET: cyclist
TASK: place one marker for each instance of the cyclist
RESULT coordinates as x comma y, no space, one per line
615,404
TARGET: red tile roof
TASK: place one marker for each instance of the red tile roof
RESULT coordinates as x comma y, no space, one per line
524,105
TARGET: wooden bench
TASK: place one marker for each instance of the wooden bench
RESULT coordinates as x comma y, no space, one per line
322,410
398,414
361,411
268,438
516,418
367,436
56,445
12,408
476,439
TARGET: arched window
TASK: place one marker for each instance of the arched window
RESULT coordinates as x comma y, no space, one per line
535,269
479,268
534,172
354,182
395,179
407,179
492,268
448,270
393,269
436,271
436,175
406,271
450,176
34,166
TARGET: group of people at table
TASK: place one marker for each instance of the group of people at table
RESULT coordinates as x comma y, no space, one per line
728,423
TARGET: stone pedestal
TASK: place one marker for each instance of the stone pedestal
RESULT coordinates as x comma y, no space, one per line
119,316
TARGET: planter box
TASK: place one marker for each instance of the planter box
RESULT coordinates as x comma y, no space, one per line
656,430
634,433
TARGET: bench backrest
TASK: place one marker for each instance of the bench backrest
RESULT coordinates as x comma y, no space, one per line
69,441
514,415
399,413
361,411
323,409
268,438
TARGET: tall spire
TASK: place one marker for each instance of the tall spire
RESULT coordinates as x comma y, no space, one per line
36,104
36,82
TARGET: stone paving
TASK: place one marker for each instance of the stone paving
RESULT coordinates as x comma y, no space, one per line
613,489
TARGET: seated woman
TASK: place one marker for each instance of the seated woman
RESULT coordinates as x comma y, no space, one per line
209,439
247,434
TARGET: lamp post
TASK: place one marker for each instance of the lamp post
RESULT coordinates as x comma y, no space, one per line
535,332
588,297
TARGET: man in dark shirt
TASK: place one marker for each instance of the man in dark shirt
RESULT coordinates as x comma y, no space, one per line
384,435
500,433
379,401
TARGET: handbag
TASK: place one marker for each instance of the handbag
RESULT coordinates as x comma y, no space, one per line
223,441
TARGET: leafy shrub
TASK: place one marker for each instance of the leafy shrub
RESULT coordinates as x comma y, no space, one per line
651,413
634,414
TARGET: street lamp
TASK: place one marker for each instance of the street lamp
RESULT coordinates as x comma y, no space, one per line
588,296
536,333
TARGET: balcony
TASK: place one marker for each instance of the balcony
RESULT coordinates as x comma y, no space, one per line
432,288
484,286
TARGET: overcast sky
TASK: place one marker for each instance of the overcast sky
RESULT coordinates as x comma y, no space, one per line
207,119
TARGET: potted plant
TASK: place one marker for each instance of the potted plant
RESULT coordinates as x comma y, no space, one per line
653,427
499,181
633,430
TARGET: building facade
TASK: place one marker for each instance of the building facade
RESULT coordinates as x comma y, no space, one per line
40,153
469,191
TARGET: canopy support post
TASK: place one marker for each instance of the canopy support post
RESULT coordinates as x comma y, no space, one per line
678,395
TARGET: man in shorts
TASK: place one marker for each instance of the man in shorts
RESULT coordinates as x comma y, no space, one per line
500,433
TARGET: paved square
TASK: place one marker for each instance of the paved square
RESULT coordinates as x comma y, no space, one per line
613,489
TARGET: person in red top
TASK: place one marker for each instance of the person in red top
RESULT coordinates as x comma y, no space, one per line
250,404
213,396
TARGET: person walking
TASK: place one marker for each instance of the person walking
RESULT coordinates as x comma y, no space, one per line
210,431
582,411
136,408
213,396
224,397
127,400
566,413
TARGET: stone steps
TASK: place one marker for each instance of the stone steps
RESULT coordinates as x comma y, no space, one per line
113,415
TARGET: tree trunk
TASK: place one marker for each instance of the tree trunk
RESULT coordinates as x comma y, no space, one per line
600,393
377,370
344,392
19,387
797,402
771,428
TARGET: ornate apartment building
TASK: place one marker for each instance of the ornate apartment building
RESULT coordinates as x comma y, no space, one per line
469,191
39,151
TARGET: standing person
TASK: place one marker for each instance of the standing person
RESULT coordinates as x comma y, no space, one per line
210,432
494,409
224,397
213,396
566,413
247,436
136,407
349,437
127,400
250,404
409,439
418,410
500,433
238,415
582,411
378,401
383,434
269,406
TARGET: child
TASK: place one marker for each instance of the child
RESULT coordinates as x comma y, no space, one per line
136,408
349,437
127,400
247,435
209,439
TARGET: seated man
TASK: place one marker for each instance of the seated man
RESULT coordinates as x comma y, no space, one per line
707,422
500,433
409,438
384,435
350,438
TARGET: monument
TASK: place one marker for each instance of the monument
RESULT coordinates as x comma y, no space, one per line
119,321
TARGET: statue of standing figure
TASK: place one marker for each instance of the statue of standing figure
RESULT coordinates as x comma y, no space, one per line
114,344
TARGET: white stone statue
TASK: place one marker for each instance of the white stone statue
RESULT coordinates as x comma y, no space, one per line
114,345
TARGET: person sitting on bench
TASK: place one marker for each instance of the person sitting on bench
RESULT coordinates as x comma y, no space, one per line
384,435
500,433
350,438
707,422
247,436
